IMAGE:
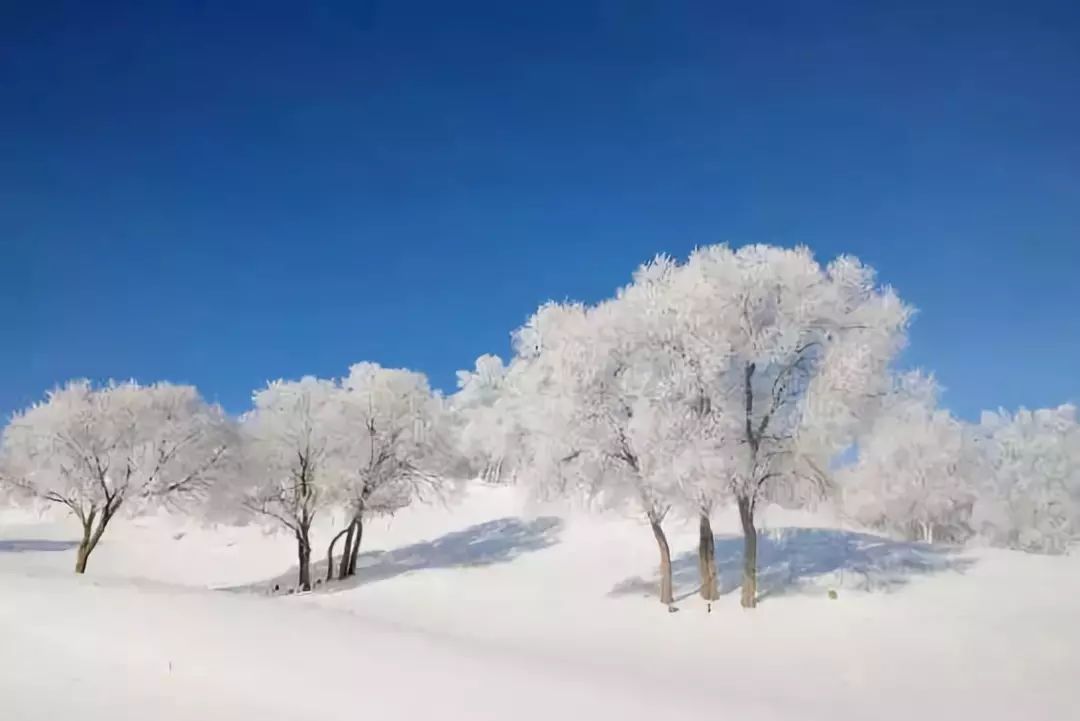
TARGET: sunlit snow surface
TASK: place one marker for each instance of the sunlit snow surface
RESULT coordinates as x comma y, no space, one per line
493,609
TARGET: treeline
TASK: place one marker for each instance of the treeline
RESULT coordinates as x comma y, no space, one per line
738,378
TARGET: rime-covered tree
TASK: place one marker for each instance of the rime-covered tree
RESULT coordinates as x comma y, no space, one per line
488,435
788,358
396,444
594,420
121,448
1029,495
734,377
915,471
685,359
293,450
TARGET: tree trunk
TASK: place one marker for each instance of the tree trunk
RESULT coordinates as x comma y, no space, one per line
303,552
343,568
92,535
84,551
666,595
707,559
330,553
354,552
749,583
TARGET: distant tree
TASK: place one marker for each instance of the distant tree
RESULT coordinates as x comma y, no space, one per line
397,445
1029,497
294,448
488,433
117,448
915,470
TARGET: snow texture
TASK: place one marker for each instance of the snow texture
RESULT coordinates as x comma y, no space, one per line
501,610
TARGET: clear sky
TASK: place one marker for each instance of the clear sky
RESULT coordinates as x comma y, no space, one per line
223,196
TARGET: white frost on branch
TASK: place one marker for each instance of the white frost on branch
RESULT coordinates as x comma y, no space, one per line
1029,495
916,467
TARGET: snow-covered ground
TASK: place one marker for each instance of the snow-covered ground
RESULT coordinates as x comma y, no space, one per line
493,610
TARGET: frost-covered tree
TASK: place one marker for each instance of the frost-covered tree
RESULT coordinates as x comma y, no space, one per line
734,377
488,435
789,359
684,360
1029,497
915,469
293,451
596,421
118,448
397,446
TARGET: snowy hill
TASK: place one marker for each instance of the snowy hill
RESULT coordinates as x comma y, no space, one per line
492,610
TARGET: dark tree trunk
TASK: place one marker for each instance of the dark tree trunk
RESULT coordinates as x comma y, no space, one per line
330,553
707,559
666,595
84,551
92,535
346,551
749,583
303,552
354,551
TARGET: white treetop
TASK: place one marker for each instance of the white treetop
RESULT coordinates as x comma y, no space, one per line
790,358
118,448
489,436
396,438
121,446
293,449
740,373
1029,497
914,474
584,378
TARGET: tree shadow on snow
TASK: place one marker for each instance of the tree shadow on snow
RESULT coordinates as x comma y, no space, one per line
24,545
484,544
792,559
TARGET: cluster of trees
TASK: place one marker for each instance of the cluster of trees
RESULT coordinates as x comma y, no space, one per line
738,378
367,445
1010,479
731,379
756,376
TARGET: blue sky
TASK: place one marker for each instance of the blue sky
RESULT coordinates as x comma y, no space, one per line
228,195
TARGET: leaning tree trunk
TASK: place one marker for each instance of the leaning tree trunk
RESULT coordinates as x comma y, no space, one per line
303,552
343,568
330,553
666,595
707,559
749,583
92,535
354,551
83,554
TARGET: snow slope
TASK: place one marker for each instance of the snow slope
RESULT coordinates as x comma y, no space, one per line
494,610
